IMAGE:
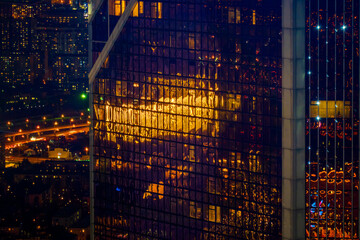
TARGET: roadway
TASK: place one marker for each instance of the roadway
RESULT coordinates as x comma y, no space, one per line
57,128
72,131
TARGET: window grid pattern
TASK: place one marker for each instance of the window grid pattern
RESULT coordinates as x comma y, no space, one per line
332,127
187,121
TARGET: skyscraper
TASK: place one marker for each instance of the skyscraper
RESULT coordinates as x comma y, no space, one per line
332,119
187,127
225,119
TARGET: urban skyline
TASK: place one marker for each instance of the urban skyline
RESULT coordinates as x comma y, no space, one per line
179,119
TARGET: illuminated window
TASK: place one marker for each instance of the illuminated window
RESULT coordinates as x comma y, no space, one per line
253,17
156,10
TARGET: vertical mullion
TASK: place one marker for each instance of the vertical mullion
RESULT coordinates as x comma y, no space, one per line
309,123
327,111
317,209
335,120
343,117
352,118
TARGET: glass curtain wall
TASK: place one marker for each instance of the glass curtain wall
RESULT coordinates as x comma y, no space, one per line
332,127
187,121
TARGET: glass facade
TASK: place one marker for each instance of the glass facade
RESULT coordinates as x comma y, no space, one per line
332,121
187,121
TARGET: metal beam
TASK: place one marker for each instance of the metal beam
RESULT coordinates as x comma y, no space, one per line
293,119
93,8
111,41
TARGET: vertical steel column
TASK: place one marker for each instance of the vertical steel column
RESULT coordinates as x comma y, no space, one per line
293,119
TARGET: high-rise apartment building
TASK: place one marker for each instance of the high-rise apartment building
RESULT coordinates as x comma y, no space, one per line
43,46
225,119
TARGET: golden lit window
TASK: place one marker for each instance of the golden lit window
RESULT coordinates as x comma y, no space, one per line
330,109
254,17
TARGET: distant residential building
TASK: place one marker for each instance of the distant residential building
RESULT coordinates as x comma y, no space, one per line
39,195
43,47
81,228
66,216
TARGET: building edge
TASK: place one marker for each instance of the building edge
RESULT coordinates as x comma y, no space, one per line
293,119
